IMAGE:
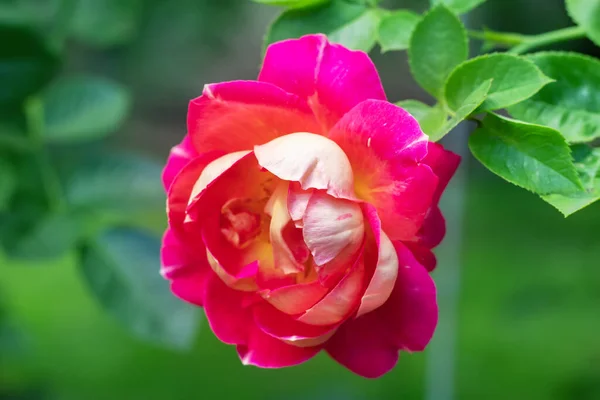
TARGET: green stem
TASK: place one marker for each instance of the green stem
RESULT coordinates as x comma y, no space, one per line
519,44
502,39
545,39
34,111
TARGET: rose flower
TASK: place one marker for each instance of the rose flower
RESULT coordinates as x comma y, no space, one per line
302,211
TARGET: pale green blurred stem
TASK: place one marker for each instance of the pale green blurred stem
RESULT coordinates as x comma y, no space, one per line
519,44
441,364
34,112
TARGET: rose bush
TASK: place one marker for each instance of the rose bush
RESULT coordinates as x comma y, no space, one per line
302,211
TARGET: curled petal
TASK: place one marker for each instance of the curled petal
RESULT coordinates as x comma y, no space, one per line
297,202
226,313
295,299
243,279
188,271
181,190
313,160
287,329
235,116
333,228
179,157
214,169
284,258
386,268
333,78
265,351
343,299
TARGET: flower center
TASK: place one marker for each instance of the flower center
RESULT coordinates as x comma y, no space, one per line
239,225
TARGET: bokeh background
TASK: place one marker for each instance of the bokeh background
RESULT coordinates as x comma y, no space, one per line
519,284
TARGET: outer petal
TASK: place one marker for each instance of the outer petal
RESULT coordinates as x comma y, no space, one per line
360,346
443,163
179,157
386,130
265,351
313,160
225,312
333,229
423,255
411,311
234,116
385,146
385,271
188,271
433,229
284,327
333,78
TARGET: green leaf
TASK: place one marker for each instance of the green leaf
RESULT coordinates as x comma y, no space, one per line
121,268
570,105
106,23
83,108
430,119
292,3
396,28
470,104
51,236
514,79
8,184
586,13
26,65
587,163
352,25
458,6
437,45
116,183
533,157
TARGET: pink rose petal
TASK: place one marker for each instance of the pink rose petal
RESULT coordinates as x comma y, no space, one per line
228,318
360,346
179,157
332,78
187,270
235,116
411,311
265,351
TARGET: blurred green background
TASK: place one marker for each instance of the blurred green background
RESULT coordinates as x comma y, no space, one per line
528,317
